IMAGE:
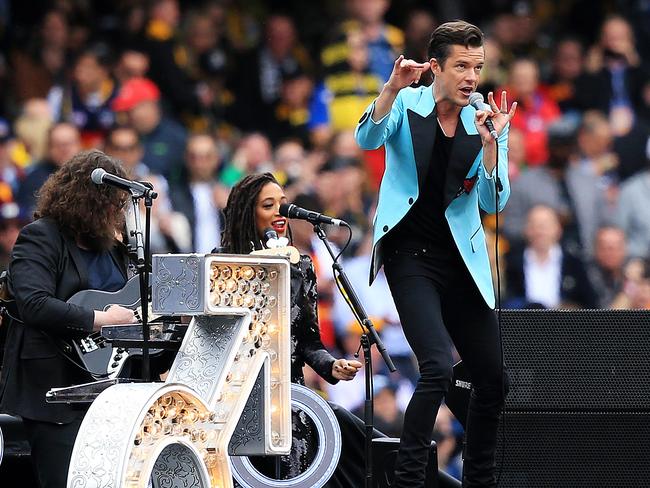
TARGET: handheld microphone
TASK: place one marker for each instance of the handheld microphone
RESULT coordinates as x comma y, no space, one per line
270,233
272,239
476,101
101,177
292,211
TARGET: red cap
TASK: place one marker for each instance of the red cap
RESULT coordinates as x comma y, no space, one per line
133,92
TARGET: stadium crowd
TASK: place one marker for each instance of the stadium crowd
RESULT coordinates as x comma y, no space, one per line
194,95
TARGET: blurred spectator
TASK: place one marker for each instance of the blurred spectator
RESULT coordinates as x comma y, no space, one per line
63,143
543,272
384,42
170,231
168,61
86,100
632,149
305,239
516,153
494,73
11,221
342,96
291,115
567,65
634,213
260,73
516,31
10,174
636,289
596,155
340,188
198,195
388,418
132,63
254,154
570,187
535,110
209,65
606,271
445,436
420,24
615,75
343,145
288,160
32,128
162,138
42,62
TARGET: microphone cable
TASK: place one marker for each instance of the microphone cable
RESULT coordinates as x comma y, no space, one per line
498,187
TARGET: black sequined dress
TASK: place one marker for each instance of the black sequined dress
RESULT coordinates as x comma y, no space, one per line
307,348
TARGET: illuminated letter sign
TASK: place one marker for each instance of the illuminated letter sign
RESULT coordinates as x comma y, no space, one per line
228,390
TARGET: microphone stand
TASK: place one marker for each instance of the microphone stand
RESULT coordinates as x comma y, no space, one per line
368,338
143,264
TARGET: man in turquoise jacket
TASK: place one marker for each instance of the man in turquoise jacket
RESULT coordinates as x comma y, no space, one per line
442,167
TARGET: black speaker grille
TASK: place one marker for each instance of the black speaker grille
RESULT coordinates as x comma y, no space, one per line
577,359
575,450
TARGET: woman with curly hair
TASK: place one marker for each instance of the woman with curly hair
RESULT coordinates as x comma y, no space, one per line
71,246
253,206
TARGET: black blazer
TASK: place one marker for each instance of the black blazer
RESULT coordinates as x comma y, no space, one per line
575,286
46,269
182,200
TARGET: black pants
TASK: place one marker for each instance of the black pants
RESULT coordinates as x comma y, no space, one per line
438,302
51,446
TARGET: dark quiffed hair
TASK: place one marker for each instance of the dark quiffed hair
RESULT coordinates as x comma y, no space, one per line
448,34
240,232
89,213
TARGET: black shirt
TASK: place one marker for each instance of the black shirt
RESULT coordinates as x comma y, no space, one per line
103,272
425,222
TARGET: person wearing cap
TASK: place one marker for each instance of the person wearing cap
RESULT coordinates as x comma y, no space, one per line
162,138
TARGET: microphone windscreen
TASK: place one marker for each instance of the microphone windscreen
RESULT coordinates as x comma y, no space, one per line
97,175
284,209
475,99
270,233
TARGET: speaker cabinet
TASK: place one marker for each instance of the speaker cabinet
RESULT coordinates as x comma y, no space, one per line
578,411
574,450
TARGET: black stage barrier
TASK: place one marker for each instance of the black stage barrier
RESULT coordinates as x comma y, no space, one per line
578,411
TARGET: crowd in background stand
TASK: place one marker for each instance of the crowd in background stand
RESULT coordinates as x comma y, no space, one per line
194,95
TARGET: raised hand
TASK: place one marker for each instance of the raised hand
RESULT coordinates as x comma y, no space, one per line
406,72
499,116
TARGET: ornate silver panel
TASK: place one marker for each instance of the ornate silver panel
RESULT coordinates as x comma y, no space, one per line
178,466
178,284
248,437
177,433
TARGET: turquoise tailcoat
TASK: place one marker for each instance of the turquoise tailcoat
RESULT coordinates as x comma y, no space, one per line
408,133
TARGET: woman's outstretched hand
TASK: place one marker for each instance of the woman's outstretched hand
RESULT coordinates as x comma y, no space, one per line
345,369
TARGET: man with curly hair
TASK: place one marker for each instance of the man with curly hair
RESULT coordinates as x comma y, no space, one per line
71,246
